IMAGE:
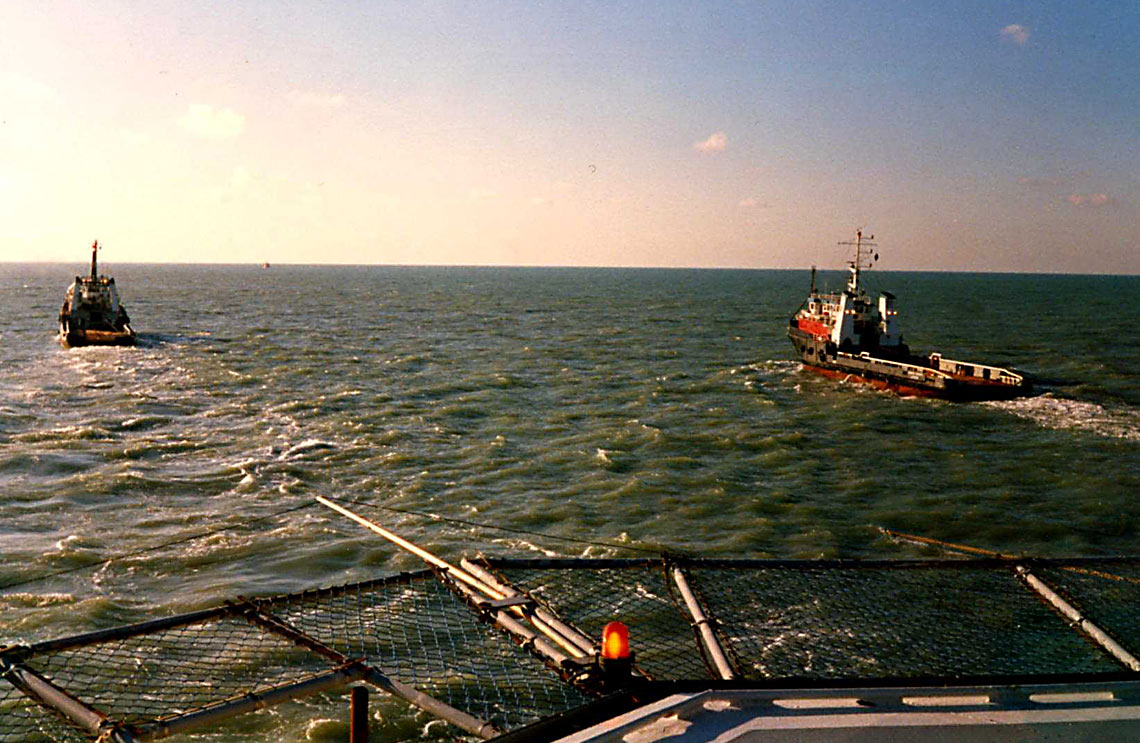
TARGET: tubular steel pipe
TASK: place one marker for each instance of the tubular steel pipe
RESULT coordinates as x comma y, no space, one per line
335,678
1072,614
443,711
120,633
460,575
44,692
267,621
582,642
358,715
522,633
701,622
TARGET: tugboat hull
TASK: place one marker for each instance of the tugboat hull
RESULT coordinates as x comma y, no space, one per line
847,336
908,375
80,338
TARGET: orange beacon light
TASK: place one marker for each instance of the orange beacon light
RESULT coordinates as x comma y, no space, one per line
615,641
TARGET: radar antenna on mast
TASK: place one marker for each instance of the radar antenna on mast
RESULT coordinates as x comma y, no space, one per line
864,257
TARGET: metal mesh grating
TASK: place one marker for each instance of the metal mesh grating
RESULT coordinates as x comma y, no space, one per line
419,632
178,670
24,721
1107,592
777,620
897,622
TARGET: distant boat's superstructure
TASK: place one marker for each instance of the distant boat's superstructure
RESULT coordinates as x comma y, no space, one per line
849,336
91,314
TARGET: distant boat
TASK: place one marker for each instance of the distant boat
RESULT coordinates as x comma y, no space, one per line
847,336
91,314
265,265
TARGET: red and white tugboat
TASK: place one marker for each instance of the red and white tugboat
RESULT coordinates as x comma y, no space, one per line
848,336
91,314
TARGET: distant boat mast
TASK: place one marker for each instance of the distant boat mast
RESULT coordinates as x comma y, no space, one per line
863,258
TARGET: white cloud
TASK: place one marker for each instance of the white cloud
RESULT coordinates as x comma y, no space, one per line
316,100
753,203
206,121
1090,200
716,142
1016,34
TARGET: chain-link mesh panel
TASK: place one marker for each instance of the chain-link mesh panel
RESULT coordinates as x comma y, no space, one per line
777,620
417,631
1106,592
24,721
889,622
640,595
177,670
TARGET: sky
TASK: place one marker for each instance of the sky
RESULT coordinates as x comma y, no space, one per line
967,136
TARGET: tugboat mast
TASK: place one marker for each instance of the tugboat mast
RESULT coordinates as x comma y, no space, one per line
863,254
94,251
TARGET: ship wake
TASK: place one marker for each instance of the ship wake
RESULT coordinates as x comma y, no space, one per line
1079,415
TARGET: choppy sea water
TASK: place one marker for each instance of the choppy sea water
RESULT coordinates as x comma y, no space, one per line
647,408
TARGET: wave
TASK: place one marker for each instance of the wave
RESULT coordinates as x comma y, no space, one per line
306,447
1079,415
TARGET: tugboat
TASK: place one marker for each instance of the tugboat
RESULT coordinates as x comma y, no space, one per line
91,314
847,336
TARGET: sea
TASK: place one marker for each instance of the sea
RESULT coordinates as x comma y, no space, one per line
527,412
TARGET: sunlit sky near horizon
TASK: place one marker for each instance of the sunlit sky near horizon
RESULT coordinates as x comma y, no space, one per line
990,136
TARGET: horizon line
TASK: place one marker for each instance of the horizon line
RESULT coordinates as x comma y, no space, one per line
250,264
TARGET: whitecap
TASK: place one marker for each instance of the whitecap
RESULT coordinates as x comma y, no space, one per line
306,446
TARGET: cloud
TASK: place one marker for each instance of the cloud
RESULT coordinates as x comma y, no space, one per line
716,142
1016,34
206,121
753,203
316,100
1090,200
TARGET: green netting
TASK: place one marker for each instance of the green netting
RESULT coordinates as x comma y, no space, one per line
890,622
